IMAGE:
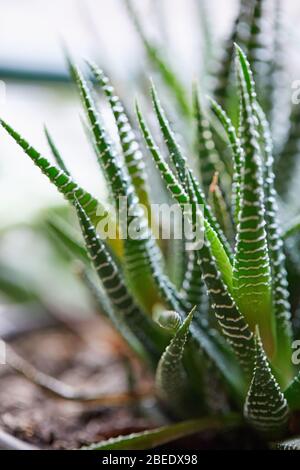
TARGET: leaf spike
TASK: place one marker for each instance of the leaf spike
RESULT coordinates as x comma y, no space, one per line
56,154
170,376
153,438
174,149
266,408
172,182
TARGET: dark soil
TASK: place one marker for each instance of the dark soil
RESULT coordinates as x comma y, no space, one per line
39,418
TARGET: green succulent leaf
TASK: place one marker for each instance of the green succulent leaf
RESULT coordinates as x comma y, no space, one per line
143,258
55,152
210,342
266,408
259,50
170,376
15,287
163,435
113,282
287,160
175,151
238,156
218,240
217,202
292,393
168,75
208,158
289,444
169,320
212,234
280,293
292,229
192,287
104,307
231,321
172,182
240,35
207,37
252,282
67,186
67,235
132,154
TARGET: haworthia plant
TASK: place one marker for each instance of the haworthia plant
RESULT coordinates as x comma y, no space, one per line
143,259
228,318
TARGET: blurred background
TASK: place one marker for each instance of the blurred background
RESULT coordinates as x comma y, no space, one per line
38,91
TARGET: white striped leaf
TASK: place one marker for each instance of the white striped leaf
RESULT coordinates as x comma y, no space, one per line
266,408
170,379
67,186
252,282
110,275
132,154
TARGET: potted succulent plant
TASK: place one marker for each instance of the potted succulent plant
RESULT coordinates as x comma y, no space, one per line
220,315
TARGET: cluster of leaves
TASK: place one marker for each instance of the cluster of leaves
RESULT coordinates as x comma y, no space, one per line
224,319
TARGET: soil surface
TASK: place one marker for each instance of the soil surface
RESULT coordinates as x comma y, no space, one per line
99,365
91,359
